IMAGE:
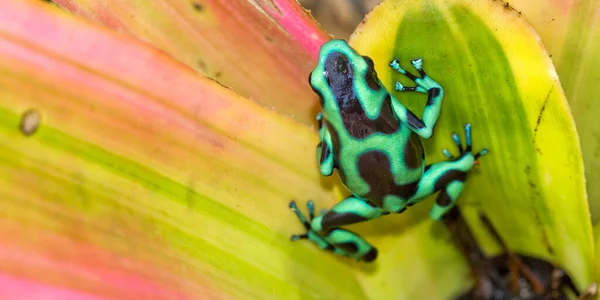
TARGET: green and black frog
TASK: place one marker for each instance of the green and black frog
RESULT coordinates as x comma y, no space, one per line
374,143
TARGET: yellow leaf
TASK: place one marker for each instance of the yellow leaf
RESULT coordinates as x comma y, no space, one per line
496,76
570,30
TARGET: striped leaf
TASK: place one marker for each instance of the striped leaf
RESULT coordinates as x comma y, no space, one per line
499,78
571,32
261,49
125,175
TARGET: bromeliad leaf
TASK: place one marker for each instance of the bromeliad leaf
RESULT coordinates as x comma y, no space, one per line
137,178
125,173
571,32
262,49
496,76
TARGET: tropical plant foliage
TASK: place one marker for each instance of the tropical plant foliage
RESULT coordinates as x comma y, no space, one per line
153,151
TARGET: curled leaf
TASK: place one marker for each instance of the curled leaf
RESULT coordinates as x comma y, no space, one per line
498,77
570,30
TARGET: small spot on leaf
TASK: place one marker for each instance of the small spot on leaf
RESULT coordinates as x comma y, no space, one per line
30,121
202,66
197,6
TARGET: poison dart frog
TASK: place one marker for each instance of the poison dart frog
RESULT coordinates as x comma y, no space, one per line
374,143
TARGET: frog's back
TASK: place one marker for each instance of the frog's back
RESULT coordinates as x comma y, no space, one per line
375,154
376,157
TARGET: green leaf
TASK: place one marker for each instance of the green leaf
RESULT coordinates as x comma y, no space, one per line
499,78
571,32
263,50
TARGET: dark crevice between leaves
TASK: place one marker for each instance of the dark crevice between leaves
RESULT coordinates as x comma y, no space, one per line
509,275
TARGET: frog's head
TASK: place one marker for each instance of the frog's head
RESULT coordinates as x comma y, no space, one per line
340,74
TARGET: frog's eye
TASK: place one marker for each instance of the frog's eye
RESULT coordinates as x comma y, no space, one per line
370,67
369,62
370,74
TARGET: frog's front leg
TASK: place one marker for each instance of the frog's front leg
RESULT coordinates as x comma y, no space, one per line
447,177
324,148
324,230
425,84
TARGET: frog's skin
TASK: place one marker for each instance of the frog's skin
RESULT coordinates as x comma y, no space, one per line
373,142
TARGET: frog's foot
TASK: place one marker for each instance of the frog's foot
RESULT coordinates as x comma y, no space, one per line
337,240
447,177
466,150
302,218
424,83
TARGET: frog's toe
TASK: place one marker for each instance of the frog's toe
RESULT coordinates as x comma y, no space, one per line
399,87
305,222
467,149
447,153
468,137
300,215
483,151
458,143
395,64
417,63
311,209
296,237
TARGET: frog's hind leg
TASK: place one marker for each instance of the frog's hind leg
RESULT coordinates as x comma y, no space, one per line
447,177
324,230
